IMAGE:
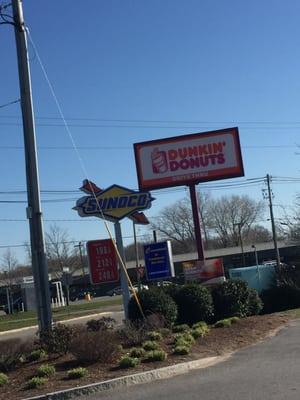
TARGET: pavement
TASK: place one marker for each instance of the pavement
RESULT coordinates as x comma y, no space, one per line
268,370
29,332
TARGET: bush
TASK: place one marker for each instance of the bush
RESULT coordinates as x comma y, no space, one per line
132,334
46,370
156,355
183,339
36,355
102,324
129,362
280,298
12,353
77,373
36,382
57,340
91,346
223,323
234,298
194,304
171,290
3,379
181,328
182,350
137,352
165,332
154,336
200,324
153,301
255,303
150,345
234,320
199,332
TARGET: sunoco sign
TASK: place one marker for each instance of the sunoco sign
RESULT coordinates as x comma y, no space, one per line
114,203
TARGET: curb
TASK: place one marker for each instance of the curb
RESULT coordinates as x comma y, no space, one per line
135,379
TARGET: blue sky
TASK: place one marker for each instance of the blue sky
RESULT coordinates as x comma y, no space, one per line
119,66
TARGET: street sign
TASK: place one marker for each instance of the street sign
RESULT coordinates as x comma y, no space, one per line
113,203
158,260
188,159
103,263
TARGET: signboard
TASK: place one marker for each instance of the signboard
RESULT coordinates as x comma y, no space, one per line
158,260
115,203
189,159
206,272
103,262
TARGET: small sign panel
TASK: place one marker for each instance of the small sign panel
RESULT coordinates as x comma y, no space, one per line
189,159
206,272
158,260
103,262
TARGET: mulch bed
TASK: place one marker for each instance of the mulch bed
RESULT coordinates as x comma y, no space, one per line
219,341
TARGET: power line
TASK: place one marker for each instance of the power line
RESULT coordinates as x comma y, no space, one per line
9,103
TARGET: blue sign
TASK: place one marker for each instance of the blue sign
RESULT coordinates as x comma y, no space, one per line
158,260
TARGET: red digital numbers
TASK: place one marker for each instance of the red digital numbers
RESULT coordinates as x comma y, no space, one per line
102,261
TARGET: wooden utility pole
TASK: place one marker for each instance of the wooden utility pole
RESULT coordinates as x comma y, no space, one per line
34,213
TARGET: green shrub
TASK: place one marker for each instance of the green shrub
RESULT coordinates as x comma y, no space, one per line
223,323
200,324
194,304
137,352
199,332
255,303
181,328
57,339
46,370
184,338
92,346
13,352
154,335
129,362
150,345
233,298
36,382
101,324
77,373
3,379
182,350
156,355
153,301
36,355
171,290
234,320
280,298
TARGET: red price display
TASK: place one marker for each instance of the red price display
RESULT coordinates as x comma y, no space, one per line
103,261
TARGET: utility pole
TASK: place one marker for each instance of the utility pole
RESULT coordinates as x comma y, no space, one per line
267,193
239,225
136,247
34,213
79,245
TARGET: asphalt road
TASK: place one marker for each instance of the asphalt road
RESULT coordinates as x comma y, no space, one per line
269,370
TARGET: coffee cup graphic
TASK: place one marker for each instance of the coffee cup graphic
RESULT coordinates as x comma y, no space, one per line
159,161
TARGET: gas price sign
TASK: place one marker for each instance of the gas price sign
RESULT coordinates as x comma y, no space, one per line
103,262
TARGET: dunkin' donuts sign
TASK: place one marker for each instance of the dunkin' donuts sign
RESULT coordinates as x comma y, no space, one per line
189,159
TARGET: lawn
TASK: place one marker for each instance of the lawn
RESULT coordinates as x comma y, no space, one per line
25,319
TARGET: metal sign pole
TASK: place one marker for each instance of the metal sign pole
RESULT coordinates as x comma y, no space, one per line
196,219
124,283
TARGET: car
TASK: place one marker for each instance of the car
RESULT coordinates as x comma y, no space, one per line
17,305
115,291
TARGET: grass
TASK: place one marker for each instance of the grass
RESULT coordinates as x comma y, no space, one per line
295,313
25,319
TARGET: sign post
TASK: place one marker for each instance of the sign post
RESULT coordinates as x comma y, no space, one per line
124,283
196,219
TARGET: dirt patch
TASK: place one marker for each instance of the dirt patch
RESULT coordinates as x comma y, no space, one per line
219,341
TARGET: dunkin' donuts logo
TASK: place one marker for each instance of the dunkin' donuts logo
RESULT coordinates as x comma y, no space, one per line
184,158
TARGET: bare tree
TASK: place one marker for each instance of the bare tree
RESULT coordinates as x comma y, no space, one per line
176,222
230,215
60,251
11,270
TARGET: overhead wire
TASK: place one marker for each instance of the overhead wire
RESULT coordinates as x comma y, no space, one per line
84,170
